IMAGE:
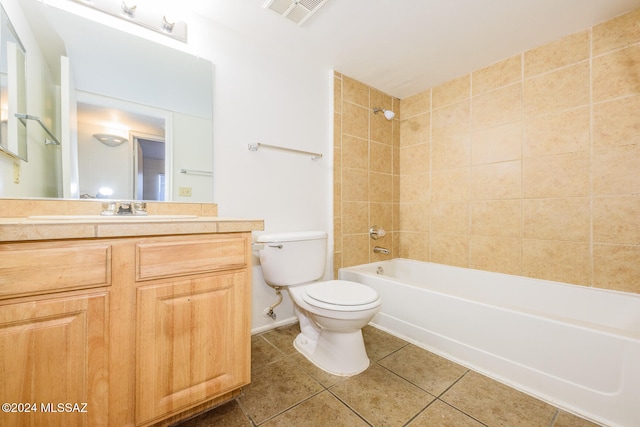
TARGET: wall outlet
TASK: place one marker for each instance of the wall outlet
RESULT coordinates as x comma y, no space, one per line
16,173
184,192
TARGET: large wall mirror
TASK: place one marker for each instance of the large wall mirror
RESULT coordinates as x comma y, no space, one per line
139,113
13,95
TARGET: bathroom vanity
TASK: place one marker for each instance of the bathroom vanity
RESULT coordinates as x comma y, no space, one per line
121,321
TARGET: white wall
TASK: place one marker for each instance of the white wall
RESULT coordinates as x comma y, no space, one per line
269,96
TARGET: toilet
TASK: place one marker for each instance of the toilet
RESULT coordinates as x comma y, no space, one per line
331,313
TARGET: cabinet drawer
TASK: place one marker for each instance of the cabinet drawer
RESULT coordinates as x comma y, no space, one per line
185,257
32,269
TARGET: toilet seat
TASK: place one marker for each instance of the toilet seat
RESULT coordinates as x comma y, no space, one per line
341,295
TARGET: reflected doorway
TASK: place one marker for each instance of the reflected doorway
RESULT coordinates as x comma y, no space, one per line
149,169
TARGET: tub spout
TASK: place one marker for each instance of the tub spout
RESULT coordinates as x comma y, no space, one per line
379,250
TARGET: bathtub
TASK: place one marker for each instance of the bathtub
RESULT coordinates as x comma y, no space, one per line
577,348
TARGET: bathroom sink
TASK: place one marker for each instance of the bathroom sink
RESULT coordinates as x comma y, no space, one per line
108,218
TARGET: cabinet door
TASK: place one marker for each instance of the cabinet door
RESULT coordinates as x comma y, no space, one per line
53,361
192,342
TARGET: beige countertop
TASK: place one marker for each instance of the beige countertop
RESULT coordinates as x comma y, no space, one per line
49,222
23,229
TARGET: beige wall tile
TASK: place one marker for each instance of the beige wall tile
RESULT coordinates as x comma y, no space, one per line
414,217
450,250
556,91
496,181
395,133
355,153
355,249
496,218
380,99
396,189
380,157
564,132
451,91
450,185
415,130
497,75
416,104
497,144
337,94
355,120
616,220
559,53
616,74
355,185
337,130
497,107
453,118
355,217
556,260
557,219
415,188
337,233
614,125
381,187
337,166
562,175
615,171
414,246
616,33
450,150
450,218
499,254
355,92
616,267
414,159
337,200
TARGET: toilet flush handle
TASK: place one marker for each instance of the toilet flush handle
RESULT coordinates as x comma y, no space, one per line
278,246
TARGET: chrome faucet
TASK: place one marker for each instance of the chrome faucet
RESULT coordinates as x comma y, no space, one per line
379,250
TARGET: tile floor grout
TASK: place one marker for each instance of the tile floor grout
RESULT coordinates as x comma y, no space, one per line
288,390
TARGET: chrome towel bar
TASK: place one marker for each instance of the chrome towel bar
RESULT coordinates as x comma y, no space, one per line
195,172
314,156
37,119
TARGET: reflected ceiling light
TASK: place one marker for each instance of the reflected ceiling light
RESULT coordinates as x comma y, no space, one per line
388,114
109,139
148,17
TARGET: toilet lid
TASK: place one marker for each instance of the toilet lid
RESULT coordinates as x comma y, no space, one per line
340,292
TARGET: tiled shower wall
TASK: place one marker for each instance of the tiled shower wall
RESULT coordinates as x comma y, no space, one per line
530,166
366,168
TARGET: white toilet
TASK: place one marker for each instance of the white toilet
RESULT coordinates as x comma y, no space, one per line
331,313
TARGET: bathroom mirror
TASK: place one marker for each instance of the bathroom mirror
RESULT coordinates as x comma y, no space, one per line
167,86
13,93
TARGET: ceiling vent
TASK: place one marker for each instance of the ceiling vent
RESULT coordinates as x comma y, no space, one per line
297,11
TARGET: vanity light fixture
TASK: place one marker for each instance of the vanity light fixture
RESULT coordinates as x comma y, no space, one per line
145,17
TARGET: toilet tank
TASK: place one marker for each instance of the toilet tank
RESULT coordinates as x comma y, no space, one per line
290,259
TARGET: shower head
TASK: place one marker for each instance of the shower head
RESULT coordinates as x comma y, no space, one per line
388,114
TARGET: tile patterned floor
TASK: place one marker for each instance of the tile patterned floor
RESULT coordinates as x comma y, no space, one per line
404,386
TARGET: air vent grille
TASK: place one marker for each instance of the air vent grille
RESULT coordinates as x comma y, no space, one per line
297,11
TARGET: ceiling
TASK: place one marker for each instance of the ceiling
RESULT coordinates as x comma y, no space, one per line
403,47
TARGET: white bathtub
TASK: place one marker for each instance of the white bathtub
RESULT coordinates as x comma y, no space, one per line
575,347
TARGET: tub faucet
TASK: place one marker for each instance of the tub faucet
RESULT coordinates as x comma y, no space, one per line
379,250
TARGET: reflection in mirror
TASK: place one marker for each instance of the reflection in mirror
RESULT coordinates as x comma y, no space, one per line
13,91
121,149
135,78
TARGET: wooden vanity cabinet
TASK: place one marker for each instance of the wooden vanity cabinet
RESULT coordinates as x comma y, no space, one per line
54,345
145,331
192,322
